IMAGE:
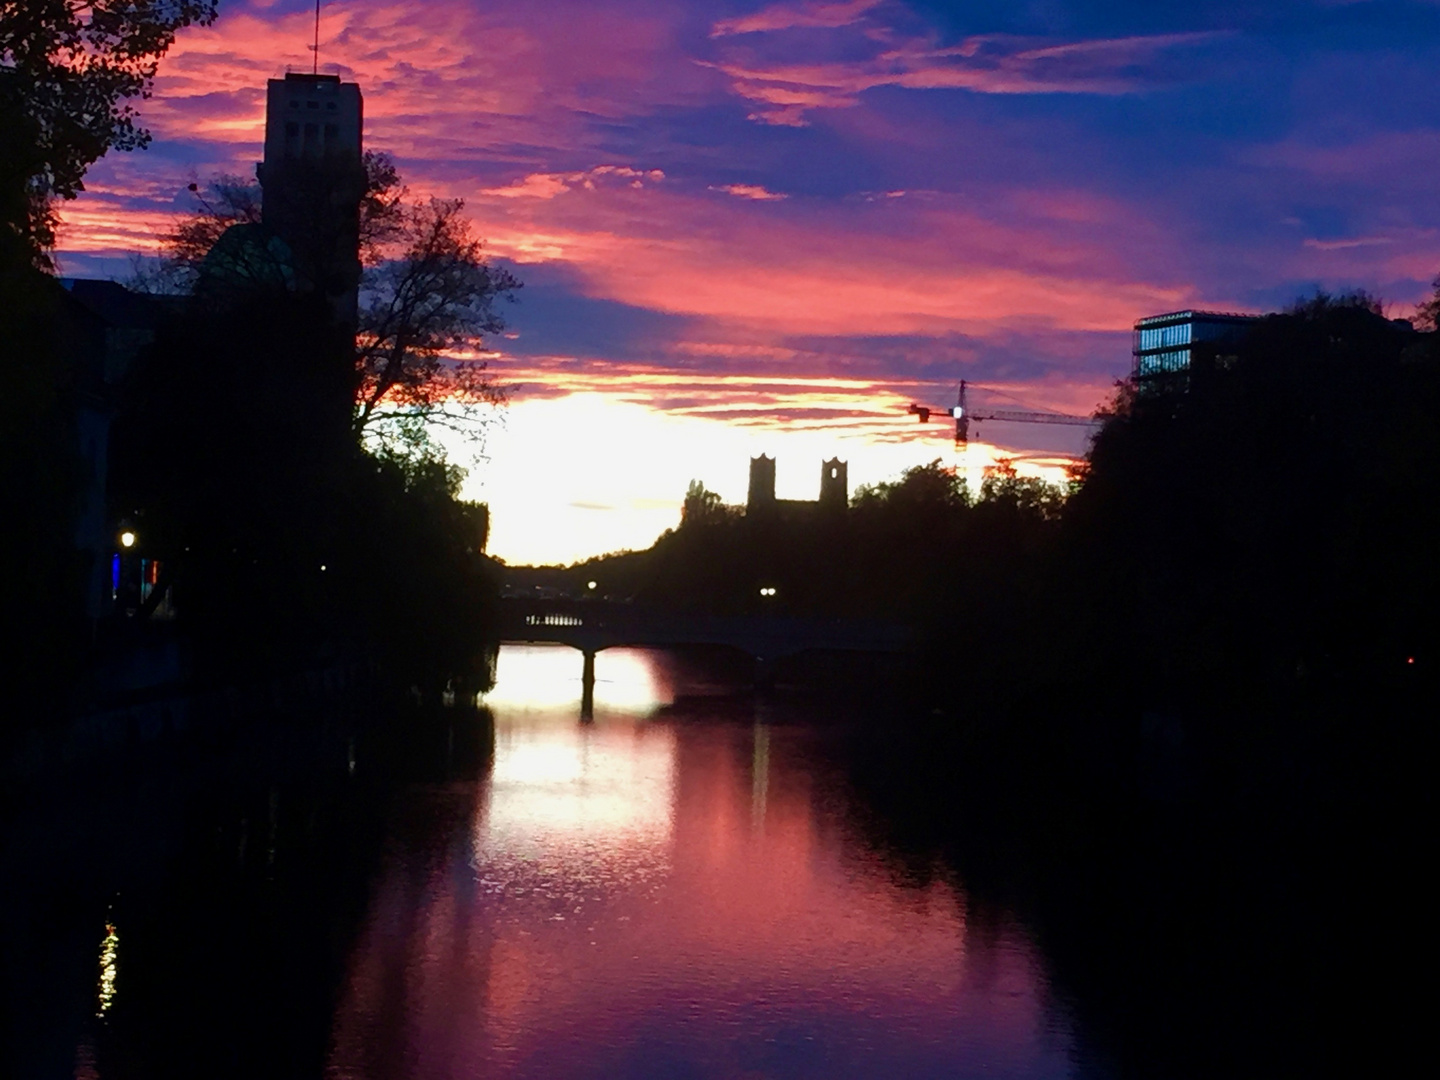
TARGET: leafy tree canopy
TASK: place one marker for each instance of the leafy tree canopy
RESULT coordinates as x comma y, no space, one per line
925,487
69,71
704,507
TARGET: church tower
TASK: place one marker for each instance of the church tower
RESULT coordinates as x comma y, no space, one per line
761,498
834,485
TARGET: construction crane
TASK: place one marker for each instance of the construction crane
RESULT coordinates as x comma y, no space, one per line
964,415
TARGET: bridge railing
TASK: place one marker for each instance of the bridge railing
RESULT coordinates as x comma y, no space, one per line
600,624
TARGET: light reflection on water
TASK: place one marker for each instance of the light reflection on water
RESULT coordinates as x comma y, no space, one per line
650,898
546,679
109,950
571,812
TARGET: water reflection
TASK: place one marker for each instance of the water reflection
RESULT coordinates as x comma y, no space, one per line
109,952
546,679
645,898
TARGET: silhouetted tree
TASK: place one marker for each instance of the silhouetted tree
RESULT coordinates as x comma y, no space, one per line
1254,527
288,520
903,551
704,507
928,489
1003,487
68,72
1427,315
422,311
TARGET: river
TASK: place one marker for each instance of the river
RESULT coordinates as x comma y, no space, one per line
684,885
641,896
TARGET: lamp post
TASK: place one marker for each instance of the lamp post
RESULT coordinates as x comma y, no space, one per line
124,586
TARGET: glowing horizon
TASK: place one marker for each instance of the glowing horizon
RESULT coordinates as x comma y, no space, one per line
609,490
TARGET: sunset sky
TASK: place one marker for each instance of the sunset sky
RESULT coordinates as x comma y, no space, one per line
747,226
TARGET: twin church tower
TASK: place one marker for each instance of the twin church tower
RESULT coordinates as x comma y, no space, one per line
761,501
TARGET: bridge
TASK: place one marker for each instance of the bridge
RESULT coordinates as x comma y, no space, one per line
594,625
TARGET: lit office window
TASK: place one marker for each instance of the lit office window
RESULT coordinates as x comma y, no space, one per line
1161,337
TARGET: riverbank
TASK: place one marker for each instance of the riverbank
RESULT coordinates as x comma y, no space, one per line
1238,896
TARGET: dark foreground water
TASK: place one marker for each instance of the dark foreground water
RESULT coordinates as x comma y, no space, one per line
654,893
692,884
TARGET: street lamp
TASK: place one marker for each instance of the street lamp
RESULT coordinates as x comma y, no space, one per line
127,539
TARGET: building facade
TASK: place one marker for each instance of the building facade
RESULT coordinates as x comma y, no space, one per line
1164,344
102,328
313,179
761,496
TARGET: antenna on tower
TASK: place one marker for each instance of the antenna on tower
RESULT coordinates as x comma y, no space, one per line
315,70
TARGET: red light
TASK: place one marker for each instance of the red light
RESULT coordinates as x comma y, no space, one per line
1410,660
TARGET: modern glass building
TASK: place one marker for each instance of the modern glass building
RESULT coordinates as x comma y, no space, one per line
1163,342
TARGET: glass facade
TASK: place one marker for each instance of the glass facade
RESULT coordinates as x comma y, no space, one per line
1161,341
1161,337
1159,362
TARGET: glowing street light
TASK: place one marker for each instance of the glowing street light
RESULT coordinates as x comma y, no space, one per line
590,585
127,539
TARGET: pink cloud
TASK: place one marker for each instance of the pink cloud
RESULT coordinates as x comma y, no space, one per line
925,264
99,226
993,64
459,79
1344,244
501,107
891,266
551,185
792,16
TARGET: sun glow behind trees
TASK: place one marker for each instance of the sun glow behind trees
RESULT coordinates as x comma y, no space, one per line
592,472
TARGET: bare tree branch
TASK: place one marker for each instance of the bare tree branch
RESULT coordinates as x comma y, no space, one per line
434,300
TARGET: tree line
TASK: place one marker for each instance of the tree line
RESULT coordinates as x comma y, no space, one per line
1249,530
